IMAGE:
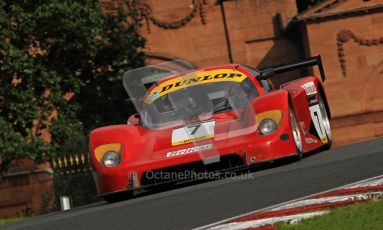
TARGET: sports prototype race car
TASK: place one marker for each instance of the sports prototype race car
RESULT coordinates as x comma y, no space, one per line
215,118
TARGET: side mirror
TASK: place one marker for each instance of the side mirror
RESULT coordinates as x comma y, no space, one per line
267,73
134,119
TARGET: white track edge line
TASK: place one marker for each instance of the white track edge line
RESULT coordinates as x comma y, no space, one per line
284,203
328,200
268,221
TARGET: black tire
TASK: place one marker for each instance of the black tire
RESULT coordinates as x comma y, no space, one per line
326,122
296,133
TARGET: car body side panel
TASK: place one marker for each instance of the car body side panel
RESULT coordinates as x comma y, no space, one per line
301,100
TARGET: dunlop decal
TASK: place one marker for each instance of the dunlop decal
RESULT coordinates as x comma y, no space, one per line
196,78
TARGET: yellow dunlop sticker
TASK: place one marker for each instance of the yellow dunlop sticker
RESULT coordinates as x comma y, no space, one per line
192,79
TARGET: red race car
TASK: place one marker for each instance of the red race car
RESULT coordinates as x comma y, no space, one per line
217,118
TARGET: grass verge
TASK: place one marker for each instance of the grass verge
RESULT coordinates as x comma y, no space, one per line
355,217
10,220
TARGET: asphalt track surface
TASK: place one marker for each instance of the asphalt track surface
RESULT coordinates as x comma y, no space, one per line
200,204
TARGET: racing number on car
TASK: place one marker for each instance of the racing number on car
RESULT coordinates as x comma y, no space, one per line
194,128
194,132
317,119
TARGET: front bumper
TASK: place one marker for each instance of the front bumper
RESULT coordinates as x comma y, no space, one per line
251,149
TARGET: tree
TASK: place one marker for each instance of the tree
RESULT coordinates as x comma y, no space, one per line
306,4
61,63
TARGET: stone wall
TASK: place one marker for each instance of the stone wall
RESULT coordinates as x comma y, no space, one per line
256,31
351,50
197,35
26,190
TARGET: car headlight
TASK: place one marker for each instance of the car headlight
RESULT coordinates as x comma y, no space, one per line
108,155
111,159
267,126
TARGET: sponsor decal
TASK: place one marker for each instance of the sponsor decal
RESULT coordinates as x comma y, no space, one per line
153,96
194,132
310,140
303,126
313,100
310,88
189,150
192,79
317,119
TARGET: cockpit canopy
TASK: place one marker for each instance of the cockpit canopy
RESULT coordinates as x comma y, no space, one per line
172,92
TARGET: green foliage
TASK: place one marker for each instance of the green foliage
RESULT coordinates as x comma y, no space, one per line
8,221
49,49
358,216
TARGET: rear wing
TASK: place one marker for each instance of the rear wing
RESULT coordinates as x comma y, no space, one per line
311,61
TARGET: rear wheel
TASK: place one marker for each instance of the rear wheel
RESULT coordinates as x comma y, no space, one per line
326,122
296,133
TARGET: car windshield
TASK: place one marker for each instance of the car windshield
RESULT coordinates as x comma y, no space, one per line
164,96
